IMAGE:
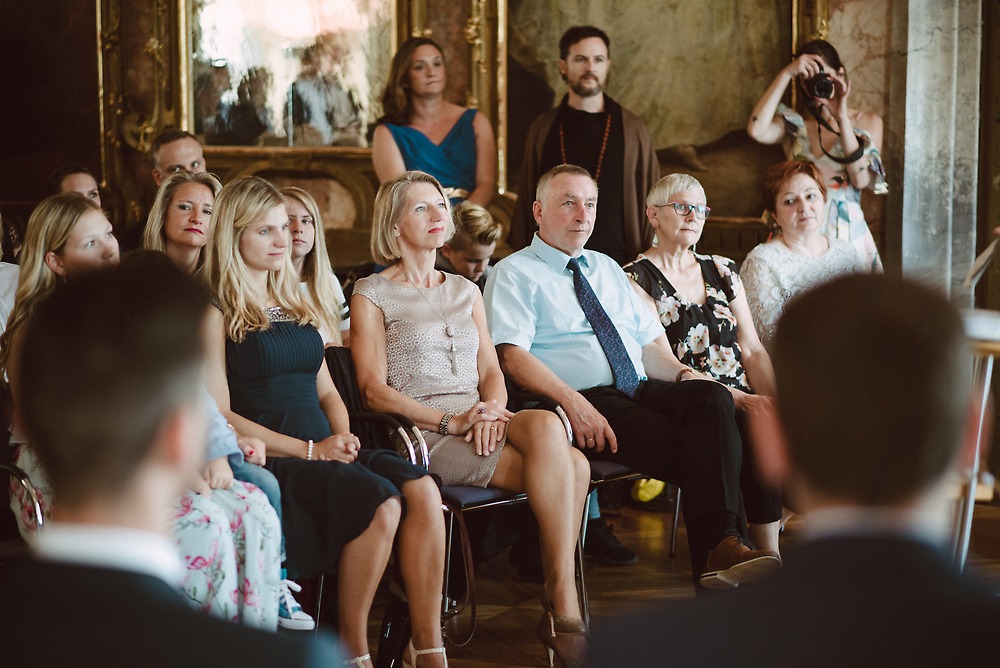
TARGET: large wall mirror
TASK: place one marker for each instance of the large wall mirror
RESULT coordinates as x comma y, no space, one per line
289,73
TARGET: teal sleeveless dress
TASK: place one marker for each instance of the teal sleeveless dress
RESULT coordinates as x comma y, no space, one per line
452,162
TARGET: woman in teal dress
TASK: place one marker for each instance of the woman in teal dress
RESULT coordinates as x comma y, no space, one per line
843,142
421,130
342,504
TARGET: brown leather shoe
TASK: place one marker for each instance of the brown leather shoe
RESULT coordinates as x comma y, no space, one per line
731,563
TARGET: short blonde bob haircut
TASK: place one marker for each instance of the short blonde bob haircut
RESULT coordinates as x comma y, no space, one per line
317,271
241,204
154,237
390,203
48,230
671,184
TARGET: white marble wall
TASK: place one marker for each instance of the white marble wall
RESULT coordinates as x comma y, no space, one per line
941,142
860,30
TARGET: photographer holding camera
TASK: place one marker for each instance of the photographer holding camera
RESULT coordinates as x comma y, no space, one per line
841,141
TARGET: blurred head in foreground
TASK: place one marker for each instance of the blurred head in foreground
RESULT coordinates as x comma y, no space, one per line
873,405
110,375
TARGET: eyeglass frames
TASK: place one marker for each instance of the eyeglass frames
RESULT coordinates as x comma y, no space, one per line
681,209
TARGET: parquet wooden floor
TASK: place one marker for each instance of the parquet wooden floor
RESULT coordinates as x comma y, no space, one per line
509,609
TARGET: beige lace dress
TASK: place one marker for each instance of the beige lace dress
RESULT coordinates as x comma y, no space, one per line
431,348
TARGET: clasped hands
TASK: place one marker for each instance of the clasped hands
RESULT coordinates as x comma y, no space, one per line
483,425
339,447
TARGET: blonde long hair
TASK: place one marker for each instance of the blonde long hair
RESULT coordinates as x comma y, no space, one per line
239,205
154,237
48,229
317,270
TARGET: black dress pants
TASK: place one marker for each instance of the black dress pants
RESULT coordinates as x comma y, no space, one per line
686,434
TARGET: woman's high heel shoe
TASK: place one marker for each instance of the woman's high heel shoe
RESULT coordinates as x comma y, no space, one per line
563,637
358,661
414,653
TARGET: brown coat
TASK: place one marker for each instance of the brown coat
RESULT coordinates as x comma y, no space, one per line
637,181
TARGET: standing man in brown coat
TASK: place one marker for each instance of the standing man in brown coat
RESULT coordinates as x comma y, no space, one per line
590,129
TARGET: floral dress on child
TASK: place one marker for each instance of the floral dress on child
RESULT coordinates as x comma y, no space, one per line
703,336
228,543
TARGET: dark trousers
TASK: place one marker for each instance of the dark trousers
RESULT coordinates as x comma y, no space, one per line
686,434
761,501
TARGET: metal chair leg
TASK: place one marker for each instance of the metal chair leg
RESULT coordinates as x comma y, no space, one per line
319,603
449,533
677,517
581,584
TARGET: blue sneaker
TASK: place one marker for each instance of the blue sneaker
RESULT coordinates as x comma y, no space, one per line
290,614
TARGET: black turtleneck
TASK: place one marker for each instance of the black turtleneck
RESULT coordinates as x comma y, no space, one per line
583,134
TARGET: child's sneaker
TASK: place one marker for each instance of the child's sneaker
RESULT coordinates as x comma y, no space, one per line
290,613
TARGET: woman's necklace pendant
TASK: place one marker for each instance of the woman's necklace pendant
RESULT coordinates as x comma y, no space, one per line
449,330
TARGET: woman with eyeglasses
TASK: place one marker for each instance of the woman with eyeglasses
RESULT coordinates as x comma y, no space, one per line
700,303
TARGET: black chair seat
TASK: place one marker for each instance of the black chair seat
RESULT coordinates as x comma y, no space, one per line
601,471
475,498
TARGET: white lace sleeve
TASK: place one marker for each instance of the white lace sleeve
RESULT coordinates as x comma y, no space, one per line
764,294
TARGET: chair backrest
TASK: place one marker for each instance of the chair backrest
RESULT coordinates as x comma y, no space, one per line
341,366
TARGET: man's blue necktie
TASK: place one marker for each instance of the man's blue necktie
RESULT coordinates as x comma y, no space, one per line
626,379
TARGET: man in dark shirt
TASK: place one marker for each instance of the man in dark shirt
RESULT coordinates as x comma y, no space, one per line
590,129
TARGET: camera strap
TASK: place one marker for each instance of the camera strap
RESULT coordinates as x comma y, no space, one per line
813,108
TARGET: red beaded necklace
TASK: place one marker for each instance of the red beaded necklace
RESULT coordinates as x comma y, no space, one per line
604,145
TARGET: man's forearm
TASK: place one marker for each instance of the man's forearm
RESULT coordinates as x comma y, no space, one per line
530,374
660,361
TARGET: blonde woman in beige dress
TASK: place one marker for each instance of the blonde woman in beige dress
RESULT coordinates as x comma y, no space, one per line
421,347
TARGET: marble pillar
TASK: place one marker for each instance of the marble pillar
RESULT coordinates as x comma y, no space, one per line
941,142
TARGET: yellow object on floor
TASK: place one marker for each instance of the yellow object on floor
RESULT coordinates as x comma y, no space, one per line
647,489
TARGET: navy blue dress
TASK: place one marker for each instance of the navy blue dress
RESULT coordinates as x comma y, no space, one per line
325,505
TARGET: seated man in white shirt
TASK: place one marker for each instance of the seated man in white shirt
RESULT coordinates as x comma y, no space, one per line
624,399
872,420
111,374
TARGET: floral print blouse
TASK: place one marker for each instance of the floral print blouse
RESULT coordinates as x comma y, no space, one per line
703,336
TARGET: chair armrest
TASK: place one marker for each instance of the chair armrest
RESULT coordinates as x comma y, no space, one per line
24,481
523,397
404,427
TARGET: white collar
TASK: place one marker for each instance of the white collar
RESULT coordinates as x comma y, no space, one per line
111,547
871,521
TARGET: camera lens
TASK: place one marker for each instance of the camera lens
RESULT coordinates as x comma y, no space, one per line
820,86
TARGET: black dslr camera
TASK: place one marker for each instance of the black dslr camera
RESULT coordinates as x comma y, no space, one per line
820,86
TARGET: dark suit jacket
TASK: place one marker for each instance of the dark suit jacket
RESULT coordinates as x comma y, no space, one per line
847,602
60,615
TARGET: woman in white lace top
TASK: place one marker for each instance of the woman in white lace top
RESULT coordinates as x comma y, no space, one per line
799,256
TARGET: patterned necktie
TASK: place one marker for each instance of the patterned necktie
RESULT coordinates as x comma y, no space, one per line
626,379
